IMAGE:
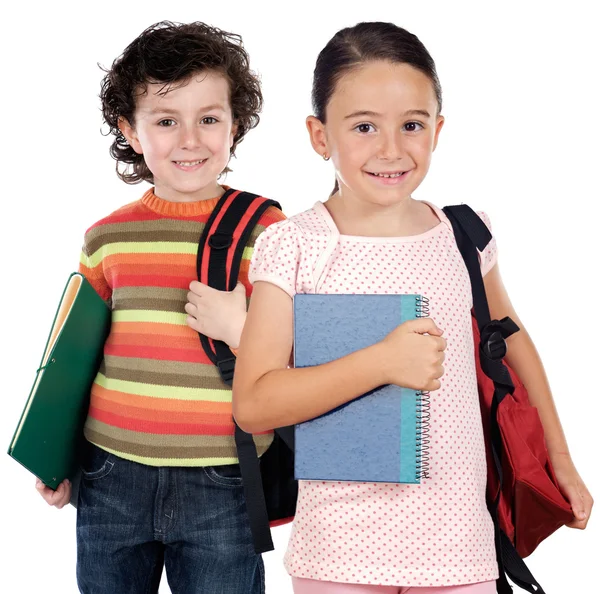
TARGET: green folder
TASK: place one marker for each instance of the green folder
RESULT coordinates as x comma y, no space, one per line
48,437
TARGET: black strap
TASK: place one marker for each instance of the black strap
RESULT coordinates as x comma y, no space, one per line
221,355
472,234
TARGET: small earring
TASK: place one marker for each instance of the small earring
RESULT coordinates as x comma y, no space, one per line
325,157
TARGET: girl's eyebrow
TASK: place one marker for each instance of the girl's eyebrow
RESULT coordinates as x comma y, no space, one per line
410,112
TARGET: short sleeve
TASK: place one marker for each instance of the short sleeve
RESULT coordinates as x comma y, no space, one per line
277,256
489,257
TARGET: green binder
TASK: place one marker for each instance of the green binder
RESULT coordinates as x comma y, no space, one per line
48,437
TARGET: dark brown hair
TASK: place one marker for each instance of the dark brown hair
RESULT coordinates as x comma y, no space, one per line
171,53
368,42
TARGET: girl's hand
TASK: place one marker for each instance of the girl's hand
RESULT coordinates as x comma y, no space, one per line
58,498
574,489
412,355
220,315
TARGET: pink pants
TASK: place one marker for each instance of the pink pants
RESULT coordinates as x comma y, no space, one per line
303,586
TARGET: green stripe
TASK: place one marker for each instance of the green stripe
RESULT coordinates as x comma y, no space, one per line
170,392
143,247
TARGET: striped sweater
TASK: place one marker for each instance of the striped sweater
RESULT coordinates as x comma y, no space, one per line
157,399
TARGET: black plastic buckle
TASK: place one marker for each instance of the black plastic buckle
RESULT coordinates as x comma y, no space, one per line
220,241
226,368
495,346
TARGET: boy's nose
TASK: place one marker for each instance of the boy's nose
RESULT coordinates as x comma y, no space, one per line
190,138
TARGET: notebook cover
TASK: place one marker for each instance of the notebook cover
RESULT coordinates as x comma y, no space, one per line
375,437
48,435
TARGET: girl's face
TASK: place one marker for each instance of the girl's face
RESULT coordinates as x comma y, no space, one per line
185,135
382,126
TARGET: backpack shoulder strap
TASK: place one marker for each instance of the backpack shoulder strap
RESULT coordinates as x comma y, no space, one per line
220,251
472,234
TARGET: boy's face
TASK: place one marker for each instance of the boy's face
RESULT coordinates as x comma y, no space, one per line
185,135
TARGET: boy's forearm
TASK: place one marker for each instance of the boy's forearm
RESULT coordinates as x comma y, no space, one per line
524,359
288,396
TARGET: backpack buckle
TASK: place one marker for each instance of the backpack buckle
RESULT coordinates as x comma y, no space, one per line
220,241
495,346
226,368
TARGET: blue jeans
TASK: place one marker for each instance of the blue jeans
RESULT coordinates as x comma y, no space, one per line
132,519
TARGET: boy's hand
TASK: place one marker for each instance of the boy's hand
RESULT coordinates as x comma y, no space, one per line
220,315
58,498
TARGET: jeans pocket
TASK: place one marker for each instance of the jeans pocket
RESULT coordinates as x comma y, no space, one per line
227,475
96,464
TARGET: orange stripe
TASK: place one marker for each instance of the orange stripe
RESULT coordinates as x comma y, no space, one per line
157,428
140,352
148,414
145,258
157,328
174,269
150,340
163,404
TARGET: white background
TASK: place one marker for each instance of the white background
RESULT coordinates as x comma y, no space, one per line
521,92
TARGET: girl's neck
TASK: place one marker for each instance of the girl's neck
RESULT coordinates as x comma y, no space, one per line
357,217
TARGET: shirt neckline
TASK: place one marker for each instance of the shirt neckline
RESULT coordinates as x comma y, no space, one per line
321,209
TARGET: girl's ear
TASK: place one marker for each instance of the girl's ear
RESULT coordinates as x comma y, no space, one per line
438,129
130,135
318,138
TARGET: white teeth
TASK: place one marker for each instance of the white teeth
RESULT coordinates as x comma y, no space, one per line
189,163
388,174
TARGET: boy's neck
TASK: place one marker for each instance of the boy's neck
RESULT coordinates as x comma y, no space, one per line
171,195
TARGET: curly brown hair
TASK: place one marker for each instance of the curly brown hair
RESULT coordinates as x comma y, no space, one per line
170,53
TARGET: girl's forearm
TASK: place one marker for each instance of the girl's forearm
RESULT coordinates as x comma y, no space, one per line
288,396
524,359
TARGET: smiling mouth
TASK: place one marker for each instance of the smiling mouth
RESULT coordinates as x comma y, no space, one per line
391,175
189,163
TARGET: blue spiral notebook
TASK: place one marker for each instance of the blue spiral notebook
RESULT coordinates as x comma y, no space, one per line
381,436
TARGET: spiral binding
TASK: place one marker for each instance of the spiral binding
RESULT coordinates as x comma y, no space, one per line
423,412
422,307
423,416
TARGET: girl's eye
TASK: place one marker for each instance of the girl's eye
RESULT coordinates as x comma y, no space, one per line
413,126
209,120
364,128
167,123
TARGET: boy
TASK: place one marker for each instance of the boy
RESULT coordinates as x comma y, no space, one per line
160,483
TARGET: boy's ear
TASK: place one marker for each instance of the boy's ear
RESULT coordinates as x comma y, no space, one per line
130,135
318,138
234,129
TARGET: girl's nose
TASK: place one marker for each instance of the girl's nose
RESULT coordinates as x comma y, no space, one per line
390,147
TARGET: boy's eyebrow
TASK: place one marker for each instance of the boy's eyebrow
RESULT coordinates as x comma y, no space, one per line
170,111
410,112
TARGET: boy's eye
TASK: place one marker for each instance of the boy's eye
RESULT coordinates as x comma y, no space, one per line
209,120
364,128
166,123
413,126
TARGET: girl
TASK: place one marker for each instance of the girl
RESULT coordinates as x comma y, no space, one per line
377,103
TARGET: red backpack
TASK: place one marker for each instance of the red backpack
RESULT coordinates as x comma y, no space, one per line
523,494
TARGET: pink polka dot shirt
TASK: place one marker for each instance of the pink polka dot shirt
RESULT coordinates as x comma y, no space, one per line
438,533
